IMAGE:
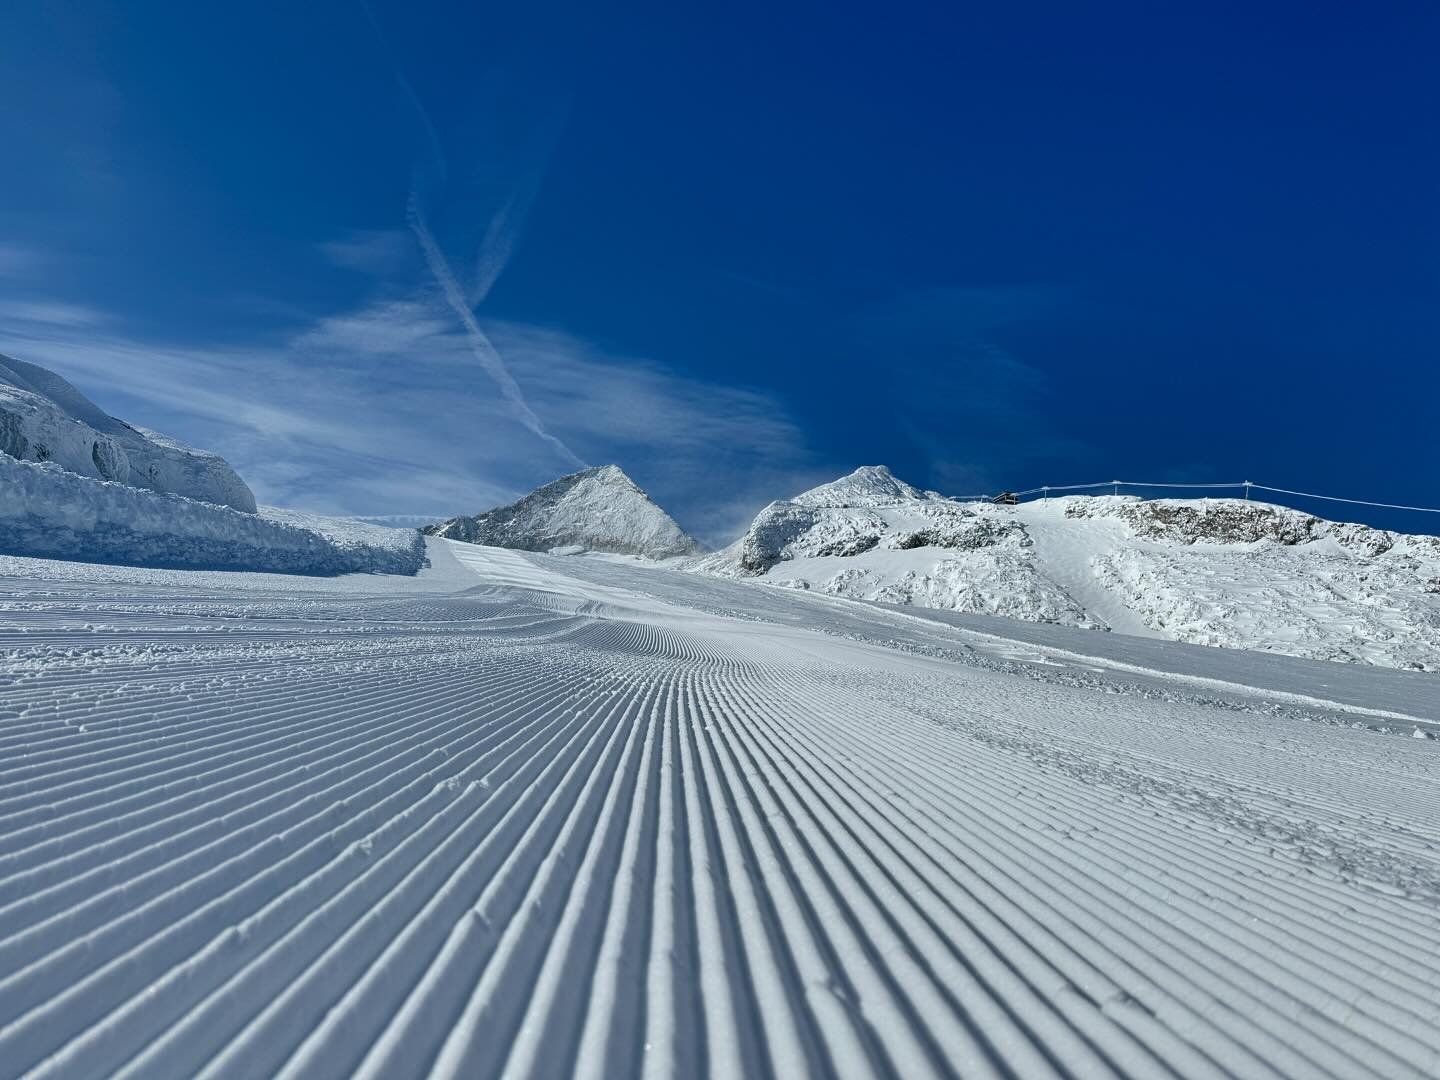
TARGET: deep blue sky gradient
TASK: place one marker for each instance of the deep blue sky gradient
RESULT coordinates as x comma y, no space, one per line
988,245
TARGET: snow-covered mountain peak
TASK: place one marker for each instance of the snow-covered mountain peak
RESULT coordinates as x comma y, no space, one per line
598,509
869,485
612,476
44,418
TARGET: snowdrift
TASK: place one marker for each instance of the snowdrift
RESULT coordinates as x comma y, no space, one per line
49,512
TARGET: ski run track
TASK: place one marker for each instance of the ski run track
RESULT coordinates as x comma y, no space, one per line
531,816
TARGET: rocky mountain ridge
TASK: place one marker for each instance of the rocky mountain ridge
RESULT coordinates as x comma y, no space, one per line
1211,571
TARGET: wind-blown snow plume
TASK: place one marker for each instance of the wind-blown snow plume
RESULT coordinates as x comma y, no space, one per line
480,345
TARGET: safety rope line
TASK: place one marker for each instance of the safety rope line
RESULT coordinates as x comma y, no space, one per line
1357,502
1246,485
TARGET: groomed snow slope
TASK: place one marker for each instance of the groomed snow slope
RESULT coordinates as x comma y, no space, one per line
48,511
540,817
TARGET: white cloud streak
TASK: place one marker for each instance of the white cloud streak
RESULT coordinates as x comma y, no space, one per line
48,313
495,251
374,411
377,252
480,346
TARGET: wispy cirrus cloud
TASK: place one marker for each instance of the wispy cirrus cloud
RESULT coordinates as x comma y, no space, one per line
496,246
48,313
377,252
480,346
378,411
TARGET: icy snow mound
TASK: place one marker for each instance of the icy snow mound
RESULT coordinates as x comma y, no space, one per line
871,536
1321,604
44,418
997,582
49,512
599,509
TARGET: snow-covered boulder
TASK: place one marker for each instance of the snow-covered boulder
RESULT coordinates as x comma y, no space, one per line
598,509
44,418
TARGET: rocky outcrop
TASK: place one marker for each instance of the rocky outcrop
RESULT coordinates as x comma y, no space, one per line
1228,521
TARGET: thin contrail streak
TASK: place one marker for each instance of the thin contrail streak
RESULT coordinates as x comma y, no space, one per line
500,237
496,247
437,156
494,254
480,345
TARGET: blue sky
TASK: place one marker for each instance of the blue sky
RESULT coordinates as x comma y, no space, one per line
737,251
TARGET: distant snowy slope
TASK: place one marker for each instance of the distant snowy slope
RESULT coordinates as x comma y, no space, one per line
599,509
1214,571
44,418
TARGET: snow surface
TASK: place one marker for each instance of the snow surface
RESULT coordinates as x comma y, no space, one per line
598,509
50,512
1208,571
525,815
44,418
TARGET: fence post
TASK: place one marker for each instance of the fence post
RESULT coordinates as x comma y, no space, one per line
1247,490
1045,492
1117,486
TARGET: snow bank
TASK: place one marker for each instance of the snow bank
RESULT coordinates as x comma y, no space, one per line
373,549
49,512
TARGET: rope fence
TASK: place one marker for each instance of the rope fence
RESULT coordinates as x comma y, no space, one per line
1246,485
